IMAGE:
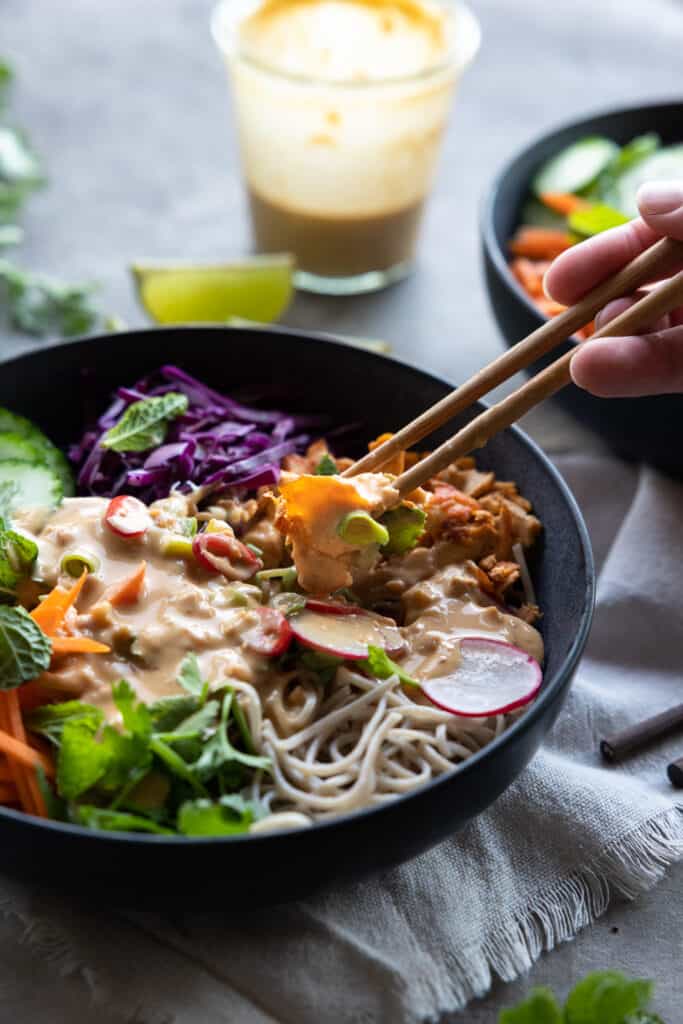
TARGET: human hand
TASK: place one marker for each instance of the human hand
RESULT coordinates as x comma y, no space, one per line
651,363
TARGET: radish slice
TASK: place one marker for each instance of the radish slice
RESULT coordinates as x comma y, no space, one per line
328,608
346,635
493,677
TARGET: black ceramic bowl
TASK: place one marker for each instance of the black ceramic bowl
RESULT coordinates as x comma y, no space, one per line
59,387
637,428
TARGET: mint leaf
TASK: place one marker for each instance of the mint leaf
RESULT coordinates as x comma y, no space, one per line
405,525
116,821
606,997
225,817
380,665
135,714
50,719
190,676
326,467
82,760
17,555
25,651
540,1007
144,423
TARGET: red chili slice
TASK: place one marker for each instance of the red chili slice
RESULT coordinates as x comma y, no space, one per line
127,516
272,636
221,552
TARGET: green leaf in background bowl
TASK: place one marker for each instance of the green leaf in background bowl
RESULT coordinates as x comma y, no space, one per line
541,1007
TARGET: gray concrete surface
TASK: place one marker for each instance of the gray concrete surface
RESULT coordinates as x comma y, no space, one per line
128,104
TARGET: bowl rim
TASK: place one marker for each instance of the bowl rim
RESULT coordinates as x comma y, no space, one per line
494,249
549,691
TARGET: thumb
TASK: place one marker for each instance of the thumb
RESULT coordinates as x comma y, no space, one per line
661,206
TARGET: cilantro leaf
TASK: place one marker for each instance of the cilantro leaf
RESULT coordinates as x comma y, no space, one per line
606,997
227,816
176,764
380,665
168,712
144,423
41,305
190,676
405,525
128,758
25,651
326,467
540,1007
135,714
116,821
219,751
50,719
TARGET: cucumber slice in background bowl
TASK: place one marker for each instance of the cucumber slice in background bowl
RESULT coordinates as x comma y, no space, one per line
34,486
664,165
49,454
576,167
13,446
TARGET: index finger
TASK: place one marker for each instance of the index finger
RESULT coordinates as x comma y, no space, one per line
586,265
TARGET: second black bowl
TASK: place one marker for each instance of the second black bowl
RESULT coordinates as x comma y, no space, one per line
645,429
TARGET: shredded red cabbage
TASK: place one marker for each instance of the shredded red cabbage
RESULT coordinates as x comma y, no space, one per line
218,443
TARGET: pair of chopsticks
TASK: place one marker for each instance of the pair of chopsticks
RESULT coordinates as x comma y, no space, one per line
654,264
638,737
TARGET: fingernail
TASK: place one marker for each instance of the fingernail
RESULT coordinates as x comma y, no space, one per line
657,197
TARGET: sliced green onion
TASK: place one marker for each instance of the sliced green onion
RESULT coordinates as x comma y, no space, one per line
326,467
255,550
74,562
236,598
188,526
287,576
360,529
289,604
174,546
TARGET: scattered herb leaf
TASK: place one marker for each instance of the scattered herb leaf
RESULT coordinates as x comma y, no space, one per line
144,423
25,651
326,467
380,665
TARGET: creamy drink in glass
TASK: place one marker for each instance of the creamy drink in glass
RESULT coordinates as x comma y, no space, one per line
341,106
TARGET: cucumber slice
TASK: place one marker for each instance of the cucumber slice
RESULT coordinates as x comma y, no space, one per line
13,446
35,486
576,167
12,423
665,164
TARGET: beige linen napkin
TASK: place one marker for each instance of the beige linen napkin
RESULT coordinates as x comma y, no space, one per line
421,940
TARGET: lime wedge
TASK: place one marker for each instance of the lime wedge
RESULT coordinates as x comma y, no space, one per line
176,293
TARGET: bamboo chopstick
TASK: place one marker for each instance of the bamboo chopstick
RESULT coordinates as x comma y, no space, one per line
654,263
475,434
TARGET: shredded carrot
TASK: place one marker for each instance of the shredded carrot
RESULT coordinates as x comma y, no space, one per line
563,203
77,645
51,612
539,243
530,274
23,754
8,793
128,590
17,770
549,307
17,728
